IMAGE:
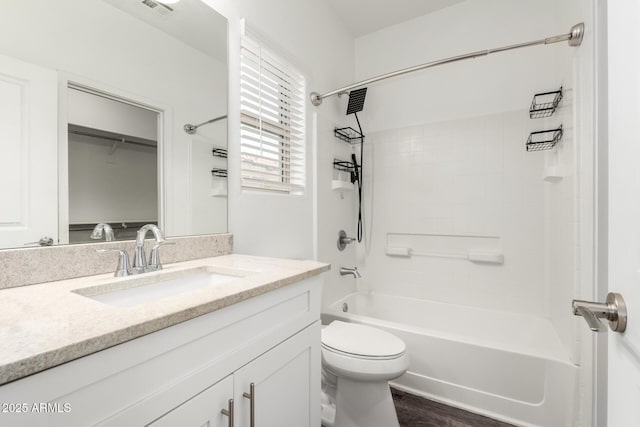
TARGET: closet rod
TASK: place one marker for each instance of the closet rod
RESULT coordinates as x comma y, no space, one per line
110,138
574,37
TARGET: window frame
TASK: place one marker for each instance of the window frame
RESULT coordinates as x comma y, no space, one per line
272,121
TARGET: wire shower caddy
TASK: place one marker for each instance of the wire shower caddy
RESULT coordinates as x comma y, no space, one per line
343,166
219,173
348,134
544,104
219,152
544,139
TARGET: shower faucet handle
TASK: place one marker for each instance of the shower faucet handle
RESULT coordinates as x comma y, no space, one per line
343,240
614,310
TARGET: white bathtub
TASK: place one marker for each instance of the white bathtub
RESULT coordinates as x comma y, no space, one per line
504,365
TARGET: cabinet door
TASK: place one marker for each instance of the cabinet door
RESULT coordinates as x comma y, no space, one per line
204,409
286,381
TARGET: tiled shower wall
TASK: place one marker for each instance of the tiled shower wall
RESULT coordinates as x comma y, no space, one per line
448,155
455,186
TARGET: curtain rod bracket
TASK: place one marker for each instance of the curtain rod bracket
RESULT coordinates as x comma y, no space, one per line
577,34
315,98
191,129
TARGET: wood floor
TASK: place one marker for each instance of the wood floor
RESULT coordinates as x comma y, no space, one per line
414,411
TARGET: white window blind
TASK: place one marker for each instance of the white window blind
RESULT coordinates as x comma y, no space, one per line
272,144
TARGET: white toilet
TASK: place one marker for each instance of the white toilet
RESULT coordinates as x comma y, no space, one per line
357,363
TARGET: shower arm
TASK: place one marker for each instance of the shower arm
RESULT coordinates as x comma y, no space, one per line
574,38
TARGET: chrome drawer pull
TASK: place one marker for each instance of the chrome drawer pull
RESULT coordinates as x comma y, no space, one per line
229,412
252,404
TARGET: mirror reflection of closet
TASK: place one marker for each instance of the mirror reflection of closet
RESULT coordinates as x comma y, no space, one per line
113,166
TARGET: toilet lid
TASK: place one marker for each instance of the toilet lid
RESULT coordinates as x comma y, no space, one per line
361,340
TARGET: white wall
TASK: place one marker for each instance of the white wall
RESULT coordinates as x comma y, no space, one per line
118,187
86,41
336,208
449,156
304,32
449,188
209,193
97,112
447,147
107,182
623,110
485,85
570,221
308,35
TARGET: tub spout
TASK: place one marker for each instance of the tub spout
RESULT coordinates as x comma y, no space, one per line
346,271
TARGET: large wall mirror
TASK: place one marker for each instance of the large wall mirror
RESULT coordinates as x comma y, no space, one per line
112,115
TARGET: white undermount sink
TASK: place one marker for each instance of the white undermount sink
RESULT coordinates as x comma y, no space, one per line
143,288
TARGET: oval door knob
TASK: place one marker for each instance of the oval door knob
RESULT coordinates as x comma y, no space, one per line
614,310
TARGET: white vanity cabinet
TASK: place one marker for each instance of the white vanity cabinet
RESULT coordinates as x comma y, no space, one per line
280,384
184,375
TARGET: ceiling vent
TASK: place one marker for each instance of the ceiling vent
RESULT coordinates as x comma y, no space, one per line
158,8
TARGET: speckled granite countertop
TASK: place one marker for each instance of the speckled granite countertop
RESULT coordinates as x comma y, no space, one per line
45,325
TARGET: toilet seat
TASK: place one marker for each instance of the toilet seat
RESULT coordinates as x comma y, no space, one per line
359,356
362,352
361,341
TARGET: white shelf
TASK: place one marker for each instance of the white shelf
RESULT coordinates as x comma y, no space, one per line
338,184
553,173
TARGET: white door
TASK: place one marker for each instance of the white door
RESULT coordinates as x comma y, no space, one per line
28,149
623,407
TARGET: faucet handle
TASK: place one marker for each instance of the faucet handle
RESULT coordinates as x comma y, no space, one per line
124,267
154,258
343,240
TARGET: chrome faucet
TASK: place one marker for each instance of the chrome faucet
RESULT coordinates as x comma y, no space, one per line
346,271
98,230
140,264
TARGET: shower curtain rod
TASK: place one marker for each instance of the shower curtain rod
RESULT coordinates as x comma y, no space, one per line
574,38
191,129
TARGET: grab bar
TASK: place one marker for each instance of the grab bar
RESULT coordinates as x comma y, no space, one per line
485,257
